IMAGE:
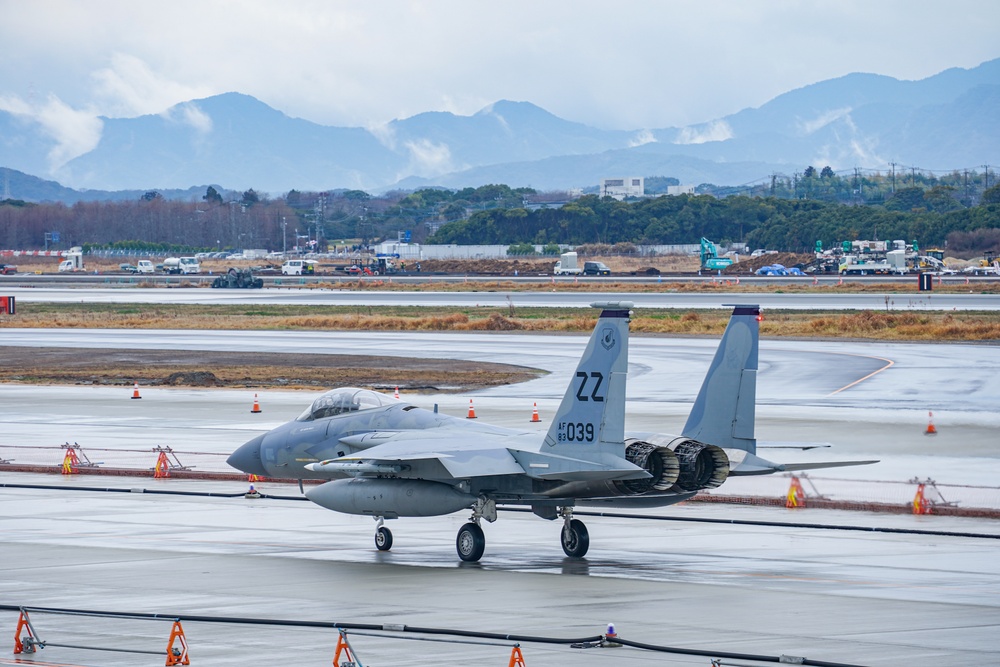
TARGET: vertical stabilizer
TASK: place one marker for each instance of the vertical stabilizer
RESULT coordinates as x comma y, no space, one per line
590,420
723,413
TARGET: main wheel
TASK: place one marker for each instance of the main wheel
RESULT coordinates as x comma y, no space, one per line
383,539
575,539
470,543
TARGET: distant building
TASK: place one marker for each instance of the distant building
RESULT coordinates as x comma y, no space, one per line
623,188
675,190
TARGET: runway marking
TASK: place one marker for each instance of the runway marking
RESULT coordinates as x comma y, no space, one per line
889,363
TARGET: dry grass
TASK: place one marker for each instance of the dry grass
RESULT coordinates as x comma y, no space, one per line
875,325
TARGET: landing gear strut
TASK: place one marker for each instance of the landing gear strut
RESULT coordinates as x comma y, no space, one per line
471,543
383,536
575,537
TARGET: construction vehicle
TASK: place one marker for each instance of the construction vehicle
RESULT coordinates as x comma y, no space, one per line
710,259
383,264
567,266
989,265
237,279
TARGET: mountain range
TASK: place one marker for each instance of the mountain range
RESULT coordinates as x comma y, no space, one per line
944,122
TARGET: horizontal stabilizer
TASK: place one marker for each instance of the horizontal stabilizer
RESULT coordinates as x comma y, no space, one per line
754,465
803,446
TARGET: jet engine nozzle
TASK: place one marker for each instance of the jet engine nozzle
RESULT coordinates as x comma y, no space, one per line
660,462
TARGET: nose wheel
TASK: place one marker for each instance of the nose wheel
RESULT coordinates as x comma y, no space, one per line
383,536
575,537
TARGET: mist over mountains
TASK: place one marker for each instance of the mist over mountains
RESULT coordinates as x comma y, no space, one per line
947,121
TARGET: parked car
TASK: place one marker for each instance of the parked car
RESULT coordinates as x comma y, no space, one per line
596,269
128,268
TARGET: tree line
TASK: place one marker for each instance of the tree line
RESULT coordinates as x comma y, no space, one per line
498,214
761,222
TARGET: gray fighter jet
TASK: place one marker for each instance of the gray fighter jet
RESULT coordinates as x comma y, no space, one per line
387,458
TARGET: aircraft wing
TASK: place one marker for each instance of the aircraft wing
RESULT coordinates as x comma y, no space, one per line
447,456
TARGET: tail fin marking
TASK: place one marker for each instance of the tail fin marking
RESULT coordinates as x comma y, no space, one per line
590,420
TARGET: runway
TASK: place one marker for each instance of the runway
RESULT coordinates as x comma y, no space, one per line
497,297
860,598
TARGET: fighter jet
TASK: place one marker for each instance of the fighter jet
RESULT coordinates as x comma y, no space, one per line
387,458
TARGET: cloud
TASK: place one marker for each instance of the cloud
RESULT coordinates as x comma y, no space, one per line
74,131
717,130
807,127
189,114
641,137
129,87
428,158
385,133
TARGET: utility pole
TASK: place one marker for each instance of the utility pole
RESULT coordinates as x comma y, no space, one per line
986,177
893,177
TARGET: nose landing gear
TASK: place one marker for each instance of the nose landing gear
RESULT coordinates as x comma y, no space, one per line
383,536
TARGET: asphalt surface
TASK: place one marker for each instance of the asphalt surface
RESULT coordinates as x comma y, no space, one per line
859,598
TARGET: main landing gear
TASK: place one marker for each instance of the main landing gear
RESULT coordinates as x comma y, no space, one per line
471,543
575,537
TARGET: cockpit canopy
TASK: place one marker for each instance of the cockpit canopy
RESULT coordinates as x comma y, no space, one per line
343,400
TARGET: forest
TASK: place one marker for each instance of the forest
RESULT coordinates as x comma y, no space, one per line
933,214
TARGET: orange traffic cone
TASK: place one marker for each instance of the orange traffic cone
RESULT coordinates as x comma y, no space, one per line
931,430
472,411
135,390
534,413
256,405
395,394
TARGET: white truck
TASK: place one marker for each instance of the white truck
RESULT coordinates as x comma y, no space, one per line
181,265
894,262
144,266
567,266
73,261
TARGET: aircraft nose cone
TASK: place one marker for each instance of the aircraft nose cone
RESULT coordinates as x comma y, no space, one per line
247,458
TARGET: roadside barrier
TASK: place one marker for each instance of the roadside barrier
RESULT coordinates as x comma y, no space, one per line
177,654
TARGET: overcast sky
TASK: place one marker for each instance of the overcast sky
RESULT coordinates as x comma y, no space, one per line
626,64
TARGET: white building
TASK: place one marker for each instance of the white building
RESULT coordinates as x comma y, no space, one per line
674,190
621,188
